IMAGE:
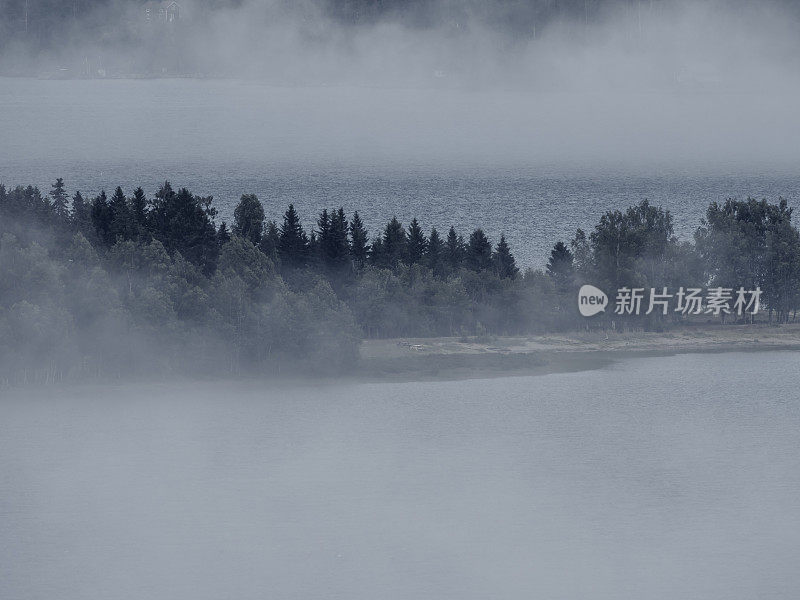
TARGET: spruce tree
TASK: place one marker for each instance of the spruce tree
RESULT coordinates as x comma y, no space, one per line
138,210
504,264
183,222
338,250
415,243
81,218
293,245
60,201
121,222
270,241
561,266
359,240
479,251
377,256
101,218
394,243
454,250
320,238
248,219
223,235
435,252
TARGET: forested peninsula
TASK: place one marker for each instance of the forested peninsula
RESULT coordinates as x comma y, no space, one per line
130,285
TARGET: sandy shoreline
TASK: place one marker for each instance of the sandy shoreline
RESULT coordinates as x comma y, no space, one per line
422,359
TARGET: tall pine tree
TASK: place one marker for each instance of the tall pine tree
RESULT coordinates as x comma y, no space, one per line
359,240
454,250
479,251
415,243
101,218
60,201
121,227
434,255
504,264
138,209
293,245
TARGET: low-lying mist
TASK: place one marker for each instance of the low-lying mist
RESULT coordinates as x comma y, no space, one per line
644,85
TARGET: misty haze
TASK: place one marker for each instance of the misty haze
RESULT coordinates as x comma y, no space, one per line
290,299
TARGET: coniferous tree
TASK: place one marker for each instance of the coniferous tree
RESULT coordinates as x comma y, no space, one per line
561,265
270,241
101,218
121,222
415,243
248,219
434,255
314,251
479,251
81,217
394,243
320,238
454,250
60,200
359,240
138,210
223,235
504,263
338,250
377,256
183,222
293,245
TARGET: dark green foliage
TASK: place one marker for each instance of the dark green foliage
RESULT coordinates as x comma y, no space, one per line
630,248
122,226
479,251
359,240
138,211
337,248
504,263
435,254
561,265
416,244
293,244
60,200
81,217
392,248
183,224
332,248
223,235
752,243
248,219
270,241
454,250
102,217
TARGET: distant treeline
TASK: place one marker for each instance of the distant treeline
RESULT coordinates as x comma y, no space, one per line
122,285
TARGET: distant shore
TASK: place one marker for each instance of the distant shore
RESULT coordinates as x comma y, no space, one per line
421,359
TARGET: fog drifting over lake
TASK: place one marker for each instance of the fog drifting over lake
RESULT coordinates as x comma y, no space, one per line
650,85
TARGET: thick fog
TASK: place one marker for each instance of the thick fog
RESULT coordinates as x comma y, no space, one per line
616,483
644,85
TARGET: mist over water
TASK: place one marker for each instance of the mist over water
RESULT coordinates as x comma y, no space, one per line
656,478
622,482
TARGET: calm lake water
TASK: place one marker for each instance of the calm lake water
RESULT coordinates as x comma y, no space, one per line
656,478
534,166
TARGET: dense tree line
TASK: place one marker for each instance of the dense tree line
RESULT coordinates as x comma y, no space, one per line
127,283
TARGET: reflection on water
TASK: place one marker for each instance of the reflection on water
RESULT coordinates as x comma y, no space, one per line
656,478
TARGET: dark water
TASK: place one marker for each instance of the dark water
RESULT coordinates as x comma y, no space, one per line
657,478
532,166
